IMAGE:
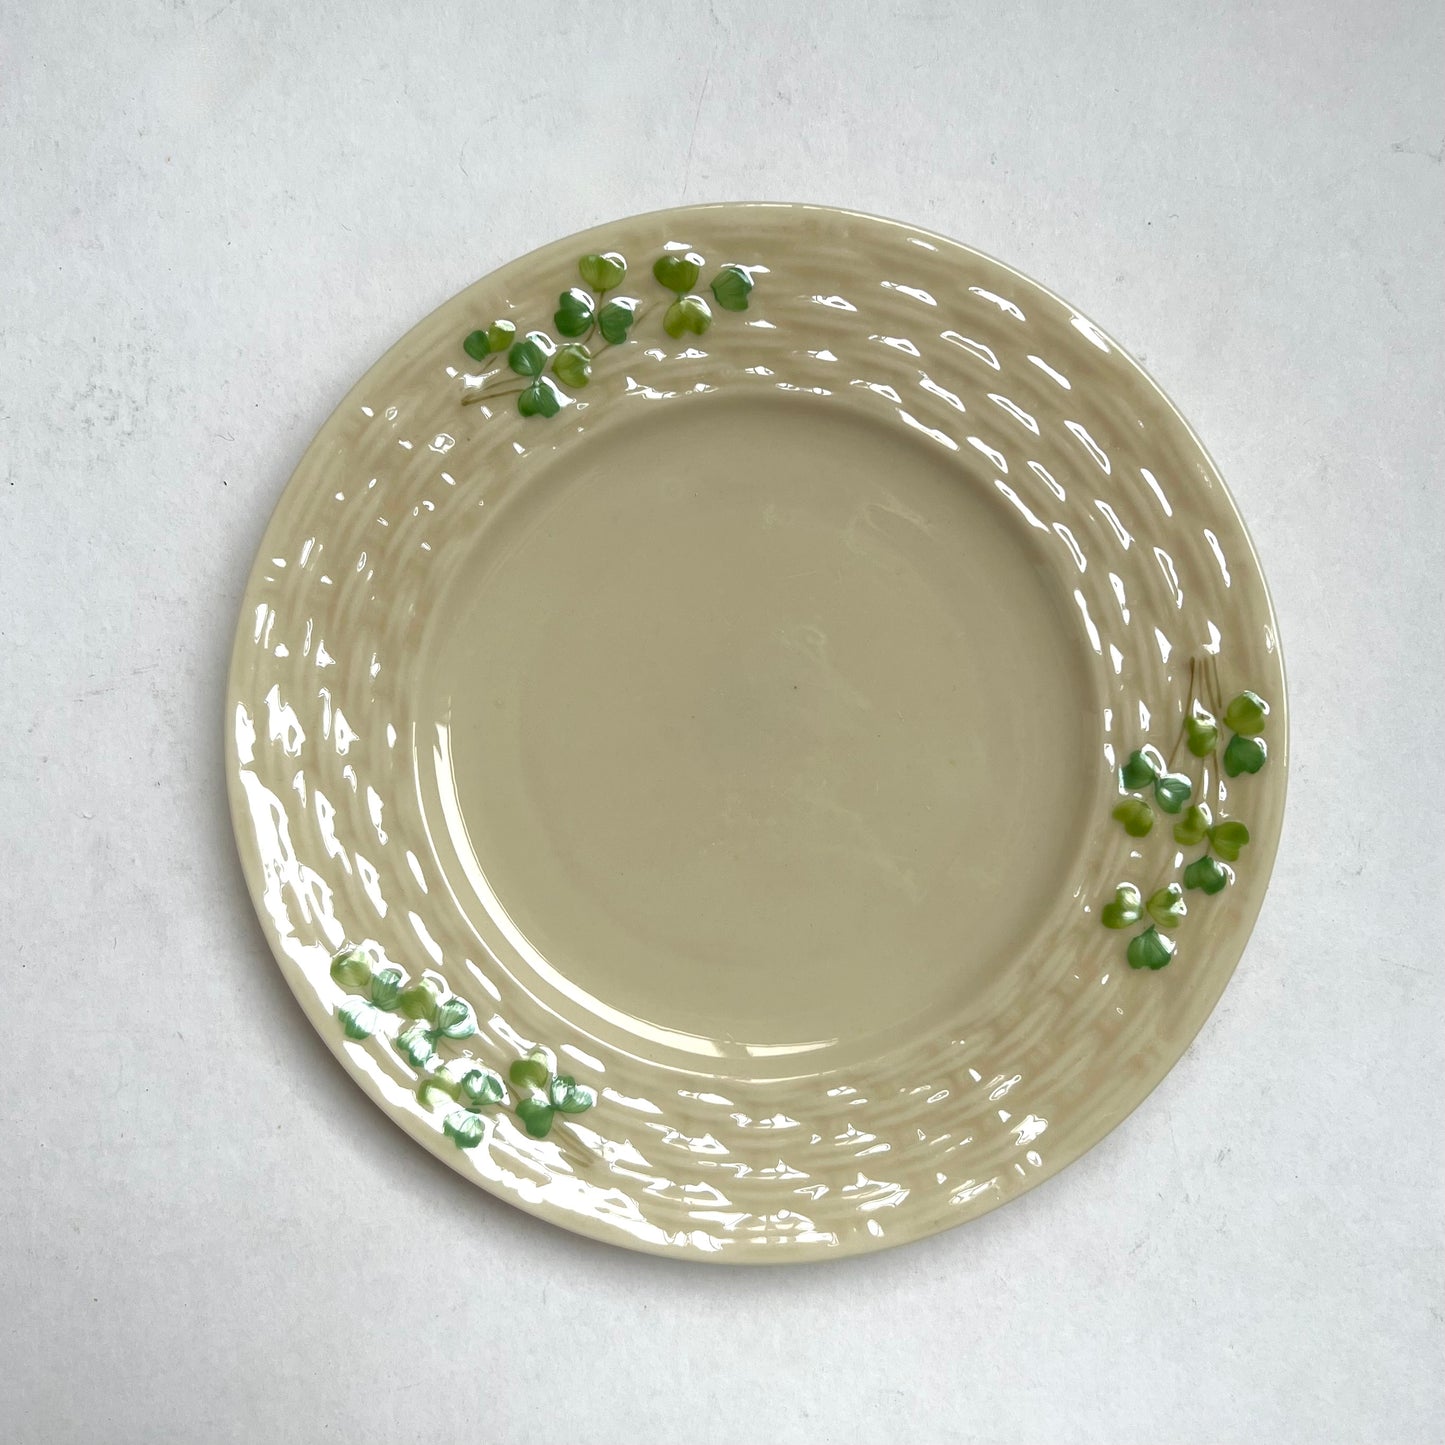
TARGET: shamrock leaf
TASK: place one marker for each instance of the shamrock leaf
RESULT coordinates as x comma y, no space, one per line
536,1116
575,313
730,288
482,1087
1201,733
386,988
573,365
1136,815
528,356
1125,908
1144,765
1167,907
1209,874
569,1096
1172,791
603,272
351,968
1245,755
1228,838
540,399
463,1129
1246,714
1193,826
1149,949
531,1072
455,1020
418,1002
430,1084
414,1044
497,337
358,1020
688,313
616,318
678,273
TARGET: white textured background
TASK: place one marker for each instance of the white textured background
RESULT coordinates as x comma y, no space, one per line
213,217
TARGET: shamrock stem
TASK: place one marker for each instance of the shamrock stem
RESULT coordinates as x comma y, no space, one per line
510,390
1191,695
1218,690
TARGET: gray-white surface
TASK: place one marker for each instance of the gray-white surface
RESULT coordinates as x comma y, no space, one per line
212,218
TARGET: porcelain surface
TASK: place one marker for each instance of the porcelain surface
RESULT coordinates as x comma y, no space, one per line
771,779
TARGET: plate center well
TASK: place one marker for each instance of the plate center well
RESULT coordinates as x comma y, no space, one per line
763,726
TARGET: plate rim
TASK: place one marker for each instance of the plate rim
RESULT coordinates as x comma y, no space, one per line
589,1225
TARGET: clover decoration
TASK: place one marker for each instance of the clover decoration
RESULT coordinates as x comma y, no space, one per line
1146,772
591,319
548,1094
429,1023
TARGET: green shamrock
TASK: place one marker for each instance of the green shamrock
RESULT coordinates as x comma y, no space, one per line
1245,755
730,288
386,988
528,357
551,1094
1201,732
358,1020
497,337
575,313
415,1044
573,365
1228,838
615,320
687,313
540,399
1246,714
581,311
1193,827
530,1073
1136,815
1245,718
475,1090
432,1017
464,1128
1124,909
1208,874
1143,766
1166,906
352,970
676,272
419,1001
1172,791
1150,949
500,336
603,272
481,1087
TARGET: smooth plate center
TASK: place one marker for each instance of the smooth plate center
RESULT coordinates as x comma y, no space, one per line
763,726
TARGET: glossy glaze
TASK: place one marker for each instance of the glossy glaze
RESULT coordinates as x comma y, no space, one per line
744,737
593,318
1217,743
708,730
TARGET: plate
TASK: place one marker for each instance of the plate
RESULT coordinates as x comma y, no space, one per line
757,733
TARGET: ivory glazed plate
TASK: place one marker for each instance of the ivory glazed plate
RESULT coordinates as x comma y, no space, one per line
756,733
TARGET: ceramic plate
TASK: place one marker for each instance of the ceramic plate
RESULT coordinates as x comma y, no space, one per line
757,733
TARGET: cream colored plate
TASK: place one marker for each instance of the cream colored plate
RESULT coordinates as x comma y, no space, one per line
742,741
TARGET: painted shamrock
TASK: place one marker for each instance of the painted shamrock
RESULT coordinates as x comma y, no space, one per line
1148,781
548,1094
474,1089
431,1028
591,319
